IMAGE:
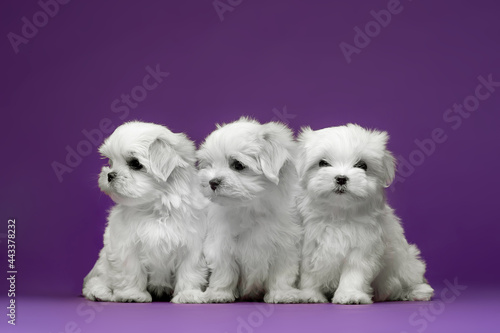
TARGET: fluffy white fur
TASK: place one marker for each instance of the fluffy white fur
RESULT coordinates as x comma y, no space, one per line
153,239
354,245
252,246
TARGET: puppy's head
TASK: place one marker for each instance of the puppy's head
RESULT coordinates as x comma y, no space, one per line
142,162
344,165
240,161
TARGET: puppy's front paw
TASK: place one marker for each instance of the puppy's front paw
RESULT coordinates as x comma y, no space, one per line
351,297
218,296
283,296
132,295
98,293
189,296
421,292
312,296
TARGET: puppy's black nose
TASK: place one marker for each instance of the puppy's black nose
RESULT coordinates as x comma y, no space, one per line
111,176
214,183
341,180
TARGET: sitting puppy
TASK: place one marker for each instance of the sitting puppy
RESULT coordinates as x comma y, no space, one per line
153,240
353,245
252,246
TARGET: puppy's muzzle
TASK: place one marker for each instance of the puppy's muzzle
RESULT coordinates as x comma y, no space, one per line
111,176
214,183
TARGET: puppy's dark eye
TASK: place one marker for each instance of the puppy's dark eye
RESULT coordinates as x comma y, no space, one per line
237,165
361,165
134,164
323,163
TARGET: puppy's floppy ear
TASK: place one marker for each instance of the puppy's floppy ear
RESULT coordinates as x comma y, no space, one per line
389,163
388,160
305,133
163,158
277,144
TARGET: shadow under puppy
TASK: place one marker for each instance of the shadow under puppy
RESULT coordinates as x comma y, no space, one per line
354,244
153,239
252,245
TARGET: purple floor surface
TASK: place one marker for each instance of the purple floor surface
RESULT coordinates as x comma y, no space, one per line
470,310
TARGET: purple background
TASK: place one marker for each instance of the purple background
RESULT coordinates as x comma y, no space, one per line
264,57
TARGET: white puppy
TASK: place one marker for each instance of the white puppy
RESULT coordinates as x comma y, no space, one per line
153,240
354,245
252,246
